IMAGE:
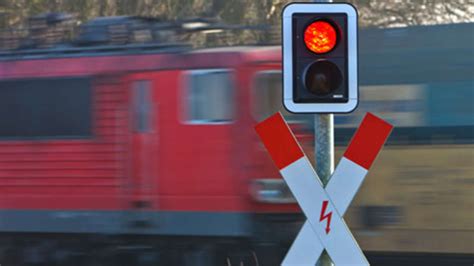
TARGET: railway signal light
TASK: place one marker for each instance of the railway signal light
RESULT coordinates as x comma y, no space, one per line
320,58
320,37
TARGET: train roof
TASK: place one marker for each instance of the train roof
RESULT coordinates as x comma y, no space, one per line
418,54
447,36
249,53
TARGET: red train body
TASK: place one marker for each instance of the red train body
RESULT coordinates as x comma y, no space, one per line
139,147
148,163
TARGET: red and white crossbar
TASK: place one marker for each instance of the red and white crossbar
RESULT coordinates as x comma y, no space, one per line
325,228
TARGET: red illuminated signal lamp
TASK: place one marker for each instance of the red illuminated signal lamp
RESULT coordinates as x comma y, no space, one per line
319,43
320,37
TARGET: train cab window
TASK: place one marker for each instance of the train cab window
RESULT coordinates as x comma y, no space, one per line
210,97
141,105
45,108
268,94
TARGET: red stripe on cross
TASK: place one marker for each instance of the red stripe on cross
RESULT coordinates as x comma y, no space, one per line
368,140
279,141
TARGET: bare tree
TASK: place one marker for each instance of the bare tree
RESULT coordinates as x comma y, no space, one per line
372,13
397,13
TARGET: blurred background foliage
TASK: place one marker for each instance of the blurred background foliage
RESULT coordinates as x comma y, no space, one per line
373,13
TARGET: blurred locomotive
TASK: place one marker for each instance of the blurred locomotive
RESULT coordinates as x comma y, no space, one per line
127,146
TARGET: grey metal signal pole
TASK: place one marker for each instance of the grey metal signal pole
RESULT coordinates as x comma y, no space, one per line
324,156
324,153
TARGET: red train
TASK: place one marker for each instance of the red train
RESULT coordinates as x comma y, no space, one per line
145,154
148,143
